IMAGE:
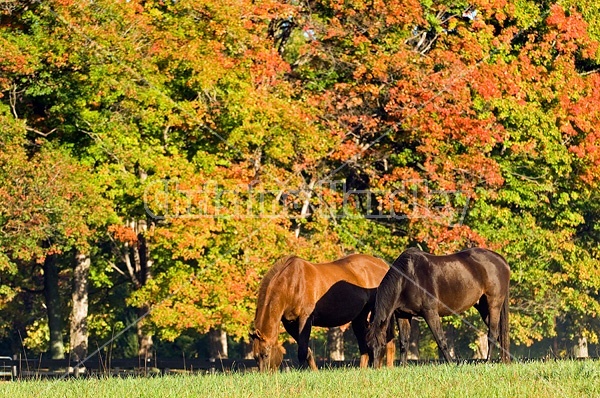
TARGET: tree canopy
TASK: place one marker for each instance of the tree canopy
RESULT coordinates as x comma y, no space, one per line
220,136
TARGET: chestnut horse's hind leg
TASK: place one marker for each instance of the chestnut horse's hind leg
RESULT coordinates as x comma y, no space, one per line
311,360
305,355
435,324
390,352
359,327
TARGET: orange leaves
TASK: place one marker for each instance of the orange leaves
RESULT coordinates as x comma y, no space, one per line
346,151
123,234
392,12
268,67
572,30
589,150
443,240
14,59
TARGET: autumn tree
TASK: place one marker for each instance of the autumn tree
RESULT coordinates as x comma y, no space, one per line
185,146
50,208
475,115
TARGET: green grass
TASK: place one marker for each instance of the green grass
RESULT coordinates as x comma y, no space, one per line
540,380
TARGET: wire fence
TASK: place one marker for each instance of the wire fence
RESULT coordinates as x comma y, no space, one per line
19,368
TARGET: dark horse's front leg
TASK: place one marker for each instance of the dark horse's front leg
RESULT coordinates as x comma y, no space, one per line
404,337
435,324
305,355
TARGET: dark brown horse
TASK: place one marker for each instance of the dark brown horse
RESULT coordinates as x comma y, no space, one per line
421,284
302,295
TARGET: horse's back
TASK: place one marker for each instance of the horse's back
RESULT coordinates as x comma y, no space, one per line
359,269
491,266
314,280
335,292
476,258
459,279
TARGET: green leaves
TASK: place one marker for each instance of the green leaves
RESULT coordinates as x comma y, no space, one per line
479,117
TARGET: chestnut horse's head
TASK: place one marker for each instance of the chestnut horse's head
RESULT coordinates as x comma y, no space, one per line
267,353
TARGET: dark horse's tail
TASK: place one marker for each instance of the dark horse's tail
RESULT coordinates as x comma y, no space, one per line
504,331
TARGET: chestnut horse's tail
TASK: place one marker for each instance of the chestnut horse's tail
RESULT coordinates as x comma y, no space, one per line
504,331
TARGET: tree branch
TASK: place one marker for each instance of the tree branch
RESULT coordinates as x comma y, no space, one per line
13,101
39,132
119,270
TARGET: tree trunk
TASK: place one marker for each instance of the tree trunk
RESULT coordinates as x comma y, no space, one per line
580,349
415,337
217,346
481,345
335,344
139,268
308,192
79,326
53,306
145,343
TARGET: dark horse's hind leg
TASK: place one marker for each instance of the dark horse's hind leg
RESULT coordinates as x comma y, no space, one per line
305,355
435,324
494,323
490,313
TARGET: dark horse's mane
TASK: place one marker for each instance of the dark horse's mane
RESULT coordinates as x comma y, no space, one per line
387,291
400,269
275,269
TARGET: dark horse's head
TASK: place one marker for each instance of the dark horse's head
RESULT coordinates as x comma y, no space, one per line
381,324
268,354
376,341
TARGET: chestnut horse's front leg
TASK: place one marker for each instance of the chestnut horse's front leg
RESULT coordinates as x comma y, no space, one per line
305,354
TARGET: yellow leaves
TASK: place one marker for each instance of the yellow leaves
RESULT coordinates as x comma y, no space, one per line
523,330
38,336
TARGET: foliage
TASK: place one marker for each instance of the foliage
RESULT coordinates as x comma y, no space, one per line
239,132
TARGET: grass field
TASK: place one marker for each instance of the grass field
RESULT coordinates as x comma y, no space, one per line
540,380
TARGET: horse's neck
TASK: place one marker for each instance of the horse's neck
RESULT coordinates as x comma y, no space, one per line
280,299
269,317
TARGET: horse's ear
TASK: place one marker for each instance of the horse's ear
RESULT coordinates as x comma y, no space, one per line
256,335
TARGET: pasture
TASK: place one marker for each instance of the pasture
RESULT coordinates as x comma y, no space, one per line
536,379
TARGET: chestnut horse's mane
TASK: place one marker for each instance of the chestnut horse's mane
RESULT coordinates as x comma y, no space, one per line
275,269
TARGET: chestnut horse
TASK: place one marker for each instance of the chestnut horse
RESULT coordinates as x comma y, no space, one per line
302,295
421,284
